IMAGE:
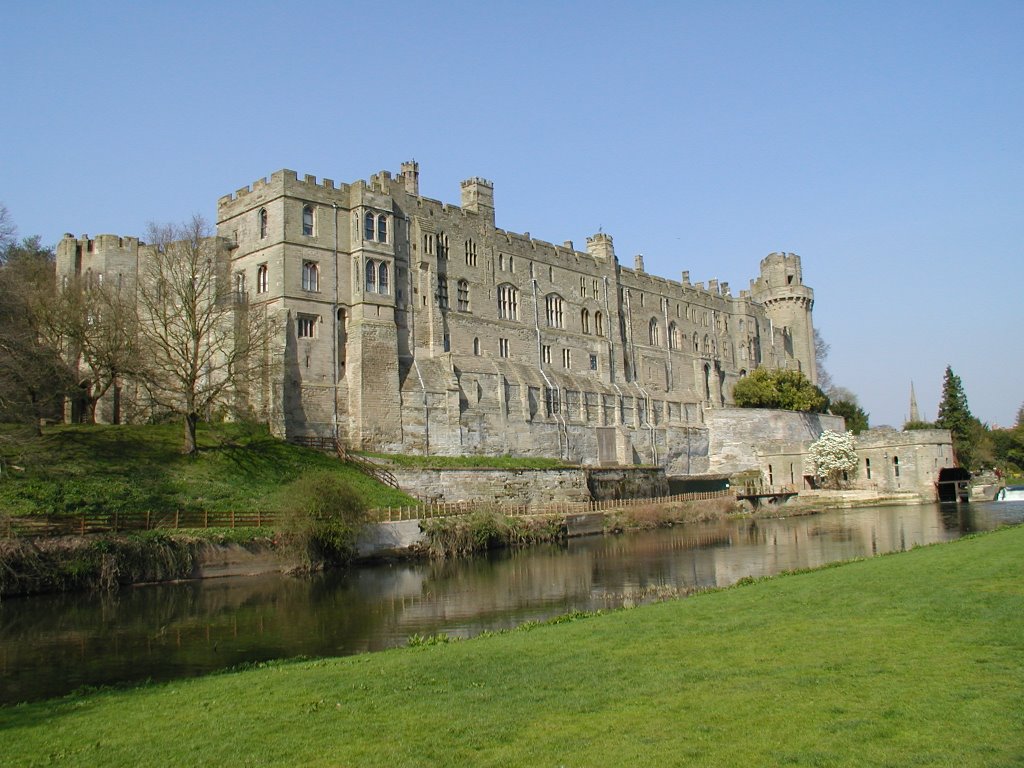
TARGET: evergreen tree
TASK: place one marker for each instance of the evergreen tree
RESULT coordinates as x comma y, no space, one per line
955,415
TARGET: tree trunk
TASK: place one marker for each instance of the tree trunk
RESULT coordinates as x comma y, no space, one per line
116,416
191,419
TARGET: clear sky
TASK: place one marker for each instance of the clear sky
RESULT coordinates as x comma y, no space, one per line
880,141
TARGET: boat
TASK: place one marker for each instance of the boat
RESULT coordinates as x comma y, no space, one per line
1010,493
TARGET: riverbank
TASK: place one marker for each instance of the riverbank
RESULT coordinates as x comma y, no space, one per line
913,657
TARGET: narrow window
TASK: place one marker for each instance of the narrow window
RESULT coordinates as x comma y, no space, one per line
896,465
654,332
310,276
566,358
371,276
368,226
593,362
442,292
382,228
442,246
585,321
263,219
673,336
470,253
867,467
599,324
240,285
383,278
501,262
503,347
476,346
261,278
771,477
307,220
463,296
545,353
583,287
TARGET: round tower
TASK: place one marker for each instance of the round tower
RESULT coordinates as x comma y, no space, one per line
788,304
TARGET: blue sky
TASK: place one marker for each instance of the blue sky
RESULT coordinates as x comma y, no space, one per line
881,141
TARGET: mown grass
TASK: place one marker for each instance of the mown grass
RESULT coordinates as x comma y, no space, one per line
410,461
130,468
915,659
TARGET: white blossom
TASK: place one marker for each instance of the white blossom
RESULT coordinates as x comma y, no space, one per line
832,455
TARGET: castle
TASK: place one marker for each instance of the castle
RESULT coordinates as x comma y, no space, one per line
405,324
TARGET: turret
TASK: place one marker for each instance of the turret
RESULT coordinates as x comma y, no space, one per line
788,304
478,197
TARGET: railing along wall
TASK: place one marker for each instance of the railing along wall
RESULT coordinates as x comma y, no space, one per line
125,522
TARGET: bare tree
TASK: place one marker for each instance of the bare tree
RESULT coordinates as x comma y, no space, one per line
202,346
33,374
821,350
7,232
99,324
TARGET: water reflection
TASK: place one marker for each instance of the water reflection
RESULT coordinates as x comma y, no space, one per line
50,645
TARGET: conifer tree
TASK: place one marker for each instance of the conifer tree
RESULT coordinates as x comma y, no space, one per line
955,415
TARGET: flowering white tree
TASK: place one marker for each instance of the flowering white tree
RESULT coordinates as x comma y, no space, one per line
832,455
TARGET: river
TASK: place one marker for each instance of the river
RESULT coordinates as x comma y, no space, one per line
53,644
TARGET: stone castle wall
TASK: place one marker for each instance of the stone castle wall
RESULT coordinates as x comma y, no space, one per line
408,324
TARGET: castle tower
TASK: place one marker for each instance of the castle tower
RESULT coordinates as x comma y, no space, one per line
915,415
410,175
788,304
478,197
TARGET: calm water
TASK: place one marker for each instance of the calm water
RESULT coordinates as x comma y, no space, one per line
51,645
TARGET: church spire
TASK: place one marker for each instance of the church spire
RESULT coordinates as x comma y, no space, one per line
914,415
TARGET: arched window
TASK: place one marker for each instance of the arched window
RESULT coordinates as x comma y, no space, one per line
696,343
261,278
307,220
585,319
553,310
654,332
462,296
673,336
508,302
896,466
599,324
263,219
476,346
371,276
368,226
707,344
383,278
310,276
382,228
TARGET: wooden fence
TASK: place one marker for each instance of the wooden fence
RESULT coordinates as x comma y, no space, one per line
453,509
69,525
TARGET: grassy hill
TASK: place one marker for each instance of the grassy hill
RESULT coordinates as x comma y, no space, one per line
102,469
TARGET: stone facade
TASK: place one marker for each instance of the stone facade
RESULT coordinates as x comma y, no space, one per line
411,325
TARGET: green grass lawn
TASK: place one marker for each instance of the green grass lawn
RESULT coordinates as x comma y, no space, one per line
915,659
103,468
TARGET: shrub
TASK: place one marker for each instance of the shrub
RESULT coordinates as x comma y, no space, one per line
324,517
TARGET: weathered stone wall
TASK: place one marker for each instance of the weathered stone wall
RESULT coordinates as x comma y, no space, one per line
752,438
627,483
903,461
503,486
533,486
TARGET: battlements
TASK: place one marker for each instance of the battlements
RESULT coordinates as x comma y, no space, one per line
281,178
